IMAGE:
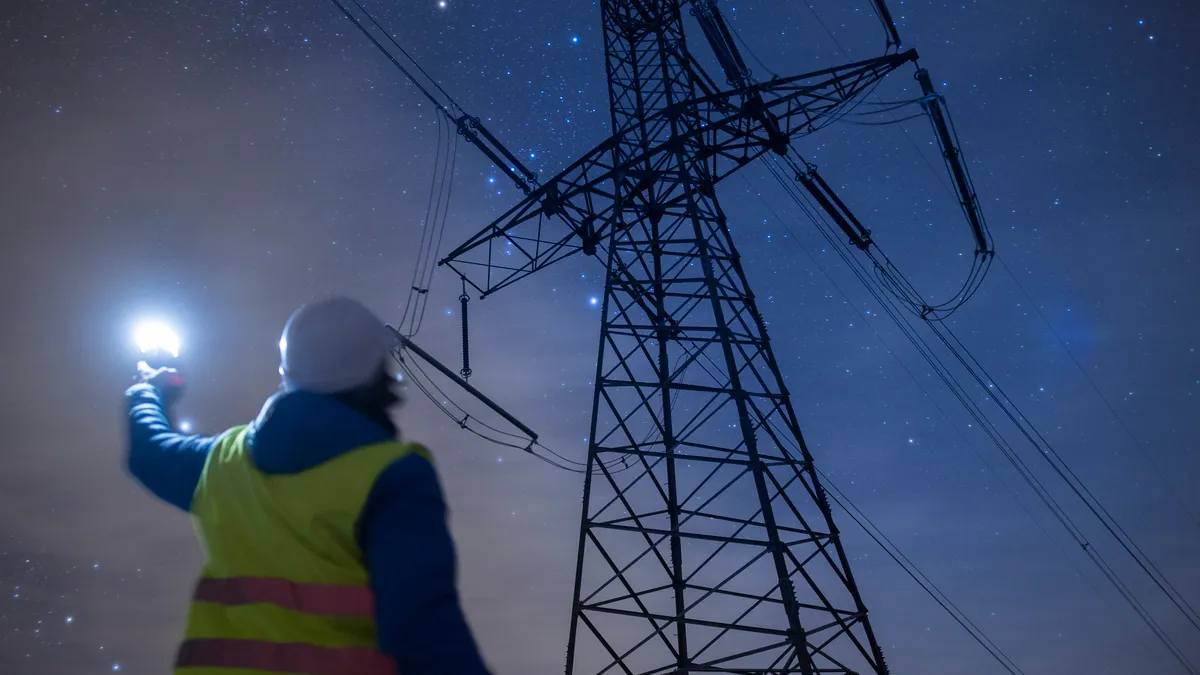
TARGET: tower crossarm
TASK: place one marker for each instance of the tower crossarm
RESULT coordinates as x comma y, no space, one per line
740,125
575,210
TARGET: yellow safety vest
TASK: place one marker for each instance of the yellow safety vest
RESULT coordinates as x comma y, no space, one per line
284,587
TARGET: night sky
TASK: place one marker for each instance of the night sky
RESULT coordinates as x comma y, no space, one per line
218,163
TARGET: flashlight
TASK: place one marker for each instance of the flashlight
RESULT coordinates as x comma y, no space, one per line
158,343
160,349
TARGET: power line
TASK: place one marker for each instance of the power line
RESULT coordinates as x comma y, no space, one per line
918,576
906,292
982,261
945,416
989,428
846,54
912,376
441,214
416,287
1077,486
1111,408
897,281
471,128
443,402
407,73
449,98
464,419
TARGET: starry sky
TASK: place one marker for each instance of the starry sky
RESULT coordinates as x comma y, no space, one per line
217,163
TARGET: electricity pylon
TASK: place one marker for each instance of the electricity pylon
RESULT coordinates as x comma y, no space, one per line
706,544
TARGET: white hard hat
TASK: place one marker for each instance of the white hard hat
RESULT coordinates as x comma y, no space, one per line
332,346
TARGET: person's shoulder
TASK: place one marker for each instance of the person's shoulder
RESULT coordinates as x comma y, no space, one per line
407,489
241,436
411,471
384,456
411,448
412,461
232,443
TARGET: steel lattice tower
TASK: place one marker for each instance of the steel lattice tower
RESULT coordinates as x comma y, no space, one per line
707,544
689,397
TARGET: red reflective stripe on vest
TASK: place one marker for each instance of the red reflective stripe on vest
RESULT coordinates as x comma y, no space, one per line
321,599
278,657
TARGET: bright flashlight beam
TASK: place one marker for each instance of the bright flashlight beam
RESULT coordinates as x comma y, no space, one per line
157,337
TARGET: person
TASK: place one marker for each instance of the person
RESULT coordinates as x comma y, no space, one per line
326,545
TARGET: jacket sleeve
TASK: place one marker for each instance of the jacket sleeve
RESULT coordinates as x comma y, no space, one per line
411,561
168,464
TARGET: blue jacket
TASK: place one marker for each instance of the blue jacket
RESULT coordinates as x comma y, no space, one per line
421,624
